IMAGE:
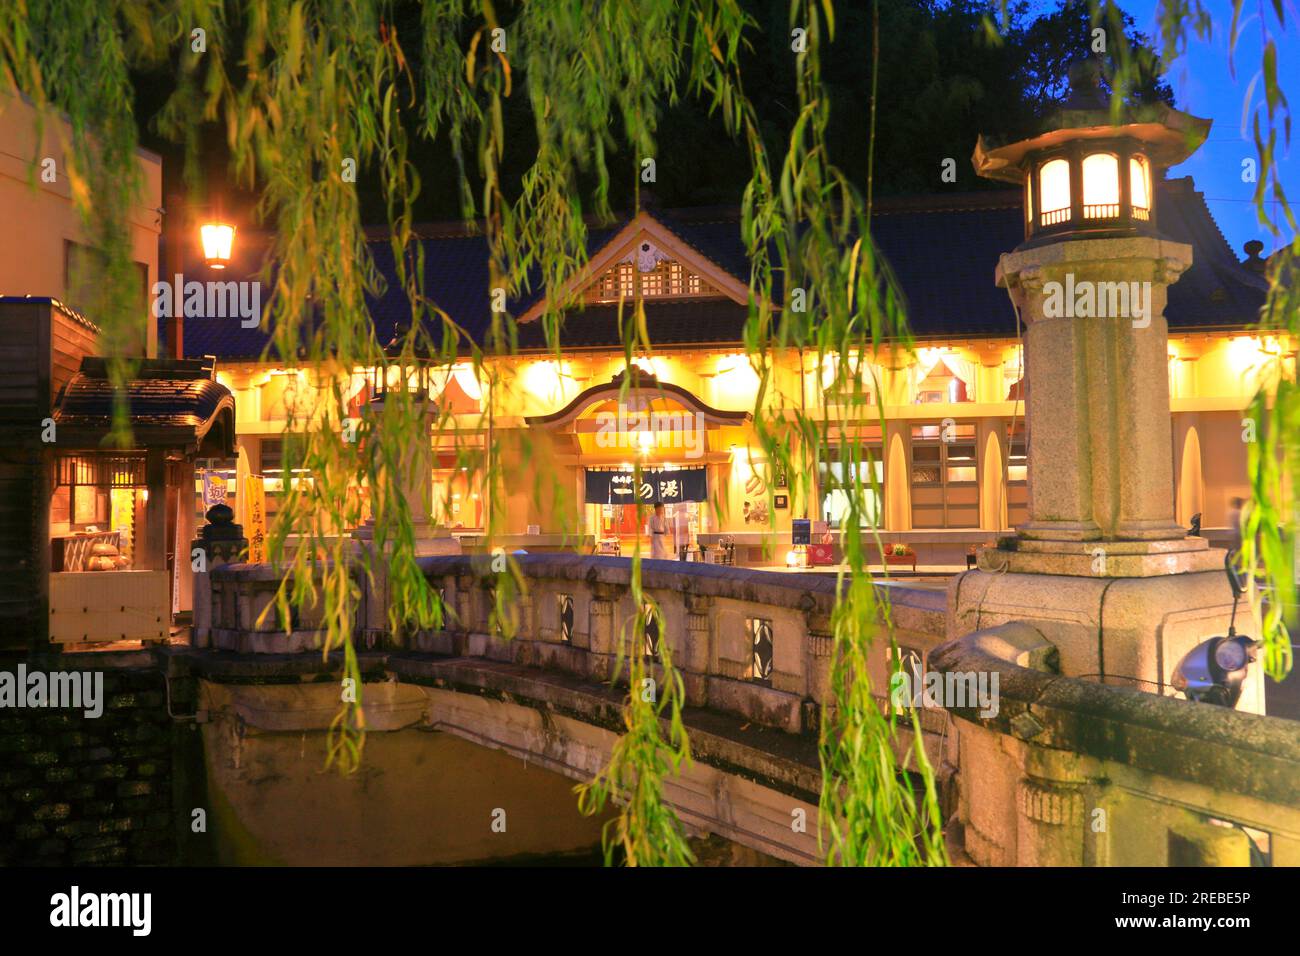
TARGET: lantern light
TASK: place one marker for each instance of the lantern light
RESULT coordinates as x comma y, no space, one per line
1087,175
218,243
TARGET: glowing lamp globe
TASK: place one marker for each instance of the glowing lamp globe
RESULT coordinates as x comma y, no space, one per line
1090,175
218,242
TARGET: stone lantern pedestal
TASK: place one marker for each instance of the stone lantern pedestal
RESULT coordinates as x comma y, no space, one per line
1100,569
430,538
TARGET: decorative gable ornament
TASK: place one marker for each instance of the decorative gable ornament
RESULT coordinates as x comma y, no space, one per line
646,256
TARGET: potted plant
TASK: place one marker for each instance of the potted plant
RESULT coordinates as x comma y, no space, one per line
900,555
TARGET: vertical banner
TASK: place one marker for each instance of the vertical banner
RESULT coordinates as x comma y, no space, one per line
255,516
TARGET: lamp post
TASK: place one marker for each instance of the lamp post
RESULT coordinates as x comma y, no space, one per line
217,241
1115,583
1090,281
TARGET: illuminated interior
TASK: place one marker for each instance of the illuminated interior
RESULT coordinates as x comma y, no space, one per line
1100,186
1054,191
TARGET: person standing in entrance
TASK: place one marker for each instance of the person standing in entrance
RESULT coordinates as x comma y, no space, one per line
658,528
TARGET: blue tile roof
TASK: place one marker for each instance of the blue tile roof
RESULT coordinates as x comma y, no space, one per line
943,250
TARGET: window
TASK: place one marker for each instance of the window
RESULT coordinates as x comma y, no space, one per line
281,458
1100,186
835,479
667,279
941,385
564,607
1054,191
1139,188
84,288
1017,473
945,476
760,659
651,632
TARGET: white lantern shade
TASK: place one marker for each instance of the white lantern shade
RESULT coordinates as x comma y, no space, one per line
218,241
1139,183
1054,189
1101,185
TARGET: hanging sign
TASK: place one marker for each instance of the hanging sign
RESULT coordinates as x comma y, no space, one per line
658,486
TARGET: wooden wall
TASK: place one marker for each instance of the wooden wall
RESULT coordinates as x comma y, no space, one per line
40,349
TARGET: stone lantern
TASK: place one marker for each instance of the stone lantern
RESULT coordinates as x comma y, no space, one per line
413,373
1100,568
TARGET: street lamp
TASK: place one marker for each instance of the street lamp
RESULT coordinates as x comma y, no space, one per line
1089,176
218,242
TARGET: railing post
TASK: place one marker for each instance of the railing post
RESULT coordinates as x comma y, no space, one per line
220,541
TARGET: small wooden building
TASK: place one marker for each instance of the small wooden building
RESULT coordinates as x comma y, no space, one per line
88,525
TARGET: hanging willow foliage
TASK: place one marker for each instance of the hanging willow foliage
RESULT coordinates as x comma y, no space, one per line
302,88
1268,527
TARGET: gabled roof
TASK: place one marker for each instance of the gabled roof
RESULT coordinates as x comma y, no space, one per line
942,248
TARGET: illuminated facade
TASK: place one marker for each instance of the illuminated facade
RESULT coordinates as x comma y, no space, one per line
949,460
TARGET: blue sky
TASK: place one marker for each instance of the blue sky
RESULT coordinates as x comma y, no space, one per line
1205,86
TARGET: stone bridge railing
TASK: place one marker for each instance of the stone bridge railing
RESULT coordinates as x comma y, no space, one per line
575,609
572,610
1071,772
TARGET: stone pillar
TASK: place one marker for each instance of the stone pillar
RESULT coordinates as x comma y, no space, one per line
1096,356
1101,569
220,541
694,664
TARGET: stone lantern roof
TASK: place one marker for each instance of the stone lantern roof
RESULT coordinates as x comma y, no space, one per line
1168,136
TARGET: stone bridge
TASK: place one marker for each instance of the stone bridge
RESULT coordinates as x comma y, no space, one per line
1065,772
543,695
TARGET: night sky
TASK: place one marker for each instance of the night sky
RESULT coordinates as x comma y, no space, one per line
1204,85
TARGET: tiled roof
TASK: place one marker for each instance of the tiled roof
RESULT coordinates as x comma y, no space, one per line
176,404
942,248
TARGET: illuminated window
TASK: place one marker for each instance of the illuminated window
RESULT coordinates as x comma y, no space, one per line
840,479
1139,177
945,472
760,660
1054,191
1017,474
1100,186
667,279
651,642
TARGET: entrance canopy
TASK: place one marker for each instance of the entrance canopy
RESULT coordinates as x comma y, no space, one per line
645,419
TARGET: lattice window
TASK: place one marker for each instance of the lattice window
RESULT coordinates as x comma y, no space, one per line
667,279
760,661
